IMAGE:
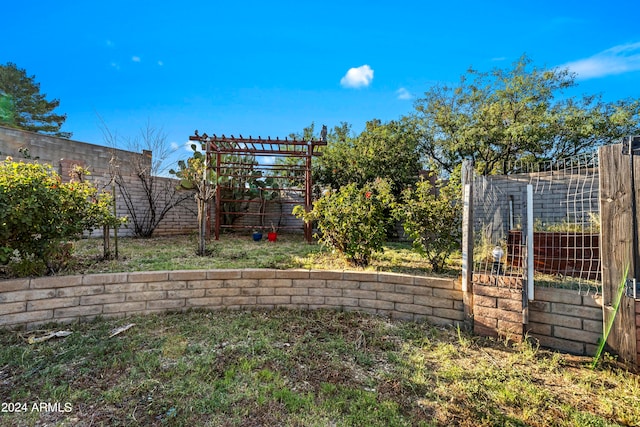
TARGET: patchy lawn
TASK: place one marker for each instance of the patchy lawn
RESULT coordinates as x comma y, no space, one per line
236,251
289,368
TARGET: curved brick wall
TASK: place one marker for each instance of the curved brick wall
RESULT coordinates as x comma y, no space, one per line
32,302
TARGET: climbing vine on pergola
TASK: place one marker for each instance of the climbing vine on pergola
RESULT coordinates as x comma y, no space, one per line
253,170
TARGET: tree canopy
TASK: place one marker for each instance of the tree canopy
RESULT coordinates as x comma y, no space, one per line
500,117
30,110
382,150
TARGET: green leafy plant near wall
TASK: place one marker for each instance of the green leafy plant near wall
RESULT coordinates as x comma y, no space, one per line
40,213
352,220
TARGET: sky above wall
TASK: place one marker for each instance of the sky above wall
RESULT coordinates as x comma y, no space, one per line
272,68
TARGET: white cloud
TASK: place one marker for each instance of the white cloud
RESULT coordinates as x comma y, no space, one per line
135,58
160,63
403,93
174,146
616,60
357,77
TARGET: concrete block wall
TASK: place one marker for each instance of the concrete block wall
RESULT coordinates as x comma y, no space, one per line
33,302
63,154
497,307
565,320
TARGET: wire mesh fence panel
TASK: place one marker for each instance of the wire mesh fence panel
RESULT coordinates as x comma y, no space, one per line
566,223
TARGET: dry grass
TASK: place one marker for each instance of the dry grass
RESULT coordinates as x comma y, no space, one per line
291,368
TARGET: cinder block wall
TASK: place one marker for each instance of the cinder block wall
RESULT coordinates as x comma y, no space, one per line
564,320
497,306
33,302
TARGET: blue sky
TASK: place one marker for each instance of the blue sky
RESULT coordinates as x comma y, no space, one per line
272,68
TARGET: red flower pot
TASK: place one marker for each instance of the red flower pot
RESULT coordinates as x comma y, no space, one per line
272,236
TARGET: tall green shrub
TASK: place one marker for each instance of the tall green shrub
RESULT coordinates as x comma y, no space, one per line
38,212
432,218
352,220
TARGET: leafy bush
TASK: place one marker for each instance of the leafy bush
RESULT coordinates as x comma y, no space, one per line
432,218
38,212
352,220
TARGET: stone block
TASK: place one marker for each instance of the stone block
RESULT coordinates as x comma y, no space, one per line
309,283
433,301
555,319
434,282
326,274
13,307
448,313
25,317
377,286
307,299
341,301
30,295
186,293
241,283
148,276
239,301
576,335
165,304
104,278
357,293
205,284
394,297
413,308
591,313
343,284
166,286
376,304
593,325
510,305
276,283
293,291
146,296
124,287
485,301
451,294
101,299
14,285
292,274
416,290
403,279
274,300
124,307
202,302
224,274
51,303
222,292
187,275
357,276
77,311
258,273
571,347
55,282
564,296
325,292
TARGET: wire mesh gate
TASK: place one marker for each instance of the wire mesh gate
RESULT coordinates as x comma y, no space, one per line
540,224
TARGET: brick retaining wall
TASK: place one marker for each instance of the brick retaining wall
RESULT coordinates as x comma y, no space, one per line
33,302
565,320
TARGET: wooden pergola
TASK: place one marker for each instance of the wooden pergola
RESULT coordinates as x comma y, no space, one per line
236,164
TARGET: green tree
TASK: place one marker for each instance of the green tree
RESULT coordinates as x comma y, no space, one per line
31,110
388,151
499,117
196,175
